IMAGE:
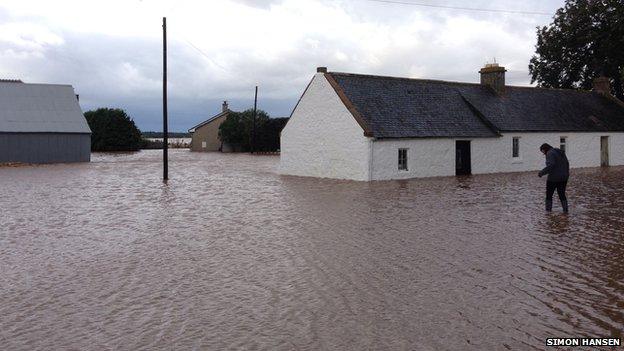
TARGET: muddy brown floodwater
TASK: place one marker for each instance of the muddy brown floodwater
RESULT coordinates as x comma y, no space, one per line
231,255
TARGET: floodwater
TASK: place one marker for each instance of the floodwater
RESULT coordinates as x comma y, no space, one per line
231,255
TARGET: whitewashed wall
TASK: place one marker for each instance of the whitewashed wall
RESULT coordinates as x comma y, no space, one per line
322,138
583,150
436,157
425,158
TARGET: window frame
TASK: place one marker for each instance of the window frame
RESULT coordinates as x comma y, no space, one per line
563,143
515,148
402,163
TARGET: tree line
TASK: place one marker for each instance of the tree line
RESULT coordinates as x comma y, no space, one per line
238,131
113,130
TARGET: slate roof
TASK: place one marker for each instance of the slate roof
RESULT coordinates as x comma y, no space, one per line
549,110
389,107
37,108
192,130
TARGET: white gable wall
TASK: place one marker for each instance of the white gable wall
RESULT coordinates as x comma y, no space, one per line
323,139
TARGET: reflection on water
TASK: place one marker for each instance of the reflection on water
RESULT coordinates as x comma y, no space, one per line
231,255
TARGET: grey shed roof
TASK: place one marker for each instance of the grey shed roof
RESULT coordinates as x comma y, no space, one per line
36,108
389,107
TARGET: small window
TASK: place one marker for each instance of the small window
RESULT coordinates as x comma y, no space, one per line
402,159
515,147
562,144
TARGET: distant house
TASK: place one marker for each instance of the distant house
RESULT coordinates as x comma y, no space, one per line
366,127
205,135
42,123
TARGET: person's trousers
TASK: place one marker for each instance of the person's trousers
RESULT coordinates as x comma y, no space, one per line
550,190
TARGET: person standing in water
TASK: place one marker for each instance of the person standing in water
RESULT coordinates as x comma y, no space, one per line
558,170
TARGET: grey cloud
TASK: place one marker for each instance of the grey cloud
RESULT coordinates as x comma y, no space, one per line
126,72
262,4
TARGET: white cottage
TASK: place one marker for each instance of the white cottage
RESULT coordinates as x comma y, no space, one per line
364,127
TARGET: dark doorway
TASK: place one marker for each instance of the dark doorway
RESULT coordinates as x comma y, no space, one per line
604,151
462,157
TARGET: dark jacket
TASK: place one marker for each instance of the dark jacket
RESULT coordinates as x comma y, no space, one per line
557,166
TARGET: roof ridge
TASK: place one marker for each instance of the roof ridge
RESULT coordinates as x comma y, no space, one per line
376,76
404,78
40,84
551,89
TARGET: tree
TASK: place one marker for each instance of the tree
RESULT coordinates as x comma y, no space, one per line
112,130
268,136
584,41
237,128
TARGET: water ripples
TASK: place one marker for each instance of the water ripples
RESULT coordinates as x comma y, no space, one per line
231,255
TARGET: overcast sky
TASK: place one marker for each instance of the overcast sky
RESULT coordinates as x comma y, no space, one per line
111,51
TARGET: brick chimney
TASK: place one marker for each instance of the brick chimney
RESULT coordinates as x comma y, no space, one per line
224,107
493,75
602,85
321,69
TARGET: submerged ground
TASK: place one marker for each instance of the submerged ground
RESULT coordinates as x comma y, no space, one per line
231,255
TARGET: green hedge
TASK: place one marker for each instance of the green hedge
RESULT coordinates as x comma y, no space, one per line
113,130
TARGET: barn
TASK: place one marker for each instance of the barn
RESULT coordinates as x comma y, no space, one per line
42,123
368,127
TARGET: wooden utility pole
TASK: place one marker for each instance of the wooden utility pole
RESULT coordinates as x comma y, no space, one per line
253,137
165,131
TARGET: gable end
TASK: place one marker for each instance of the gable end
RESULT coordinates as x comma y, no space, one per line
349,105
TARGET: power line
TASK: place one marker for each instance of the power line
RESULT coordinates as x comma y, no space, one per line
203,53
462,8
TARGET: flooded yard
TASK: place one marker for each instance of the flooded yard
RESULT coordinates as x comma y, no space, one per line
231,255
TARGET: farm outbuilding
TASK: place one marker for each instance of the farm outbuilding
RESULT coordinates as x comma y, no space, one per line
42,123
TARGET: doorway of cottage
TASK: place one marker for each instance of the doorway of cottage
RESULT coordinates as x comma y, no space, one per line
604,151
462,157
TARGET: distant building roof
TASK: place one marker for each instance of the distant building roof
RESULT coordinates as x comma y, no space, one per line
389,107
35,108
224,113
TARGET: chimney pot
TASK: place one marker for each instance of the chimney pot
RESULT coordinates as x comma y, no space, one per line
224,107
602,85
493,76
321,69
